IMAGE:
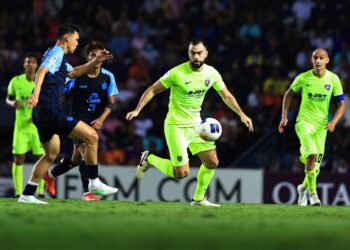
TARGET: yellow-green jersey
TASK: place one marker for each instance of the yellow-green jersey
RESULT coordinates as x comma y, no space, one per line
316,94
187,92
21,89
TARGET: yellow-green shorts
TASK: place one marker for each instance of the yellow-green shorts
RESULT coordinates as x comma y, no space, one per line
312,140
25,141
180,138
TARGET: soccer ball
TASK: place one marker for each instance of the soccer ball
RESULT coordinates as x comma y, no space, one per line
209,129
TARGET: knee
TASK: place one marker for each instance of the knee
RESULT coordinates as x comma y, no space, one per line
181,174
92,137
212,164
51,156
310,162
19,160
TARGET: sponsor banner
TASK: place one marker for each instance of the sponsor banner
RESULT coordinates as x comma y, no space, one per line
228,185
280,188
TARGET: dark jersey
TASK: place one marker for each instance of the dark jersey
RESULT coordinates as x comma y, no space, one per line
90,95
55,79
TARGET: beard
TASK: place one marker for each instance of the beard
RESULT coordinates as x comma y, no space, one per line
196,64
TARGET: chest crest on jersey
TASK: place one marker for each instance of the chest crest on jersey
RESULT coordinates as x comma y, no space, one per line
104,86
327,86
207,82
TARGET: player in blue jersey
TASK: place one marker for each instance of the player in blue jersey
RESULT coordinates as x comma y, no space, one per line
93,99
50,119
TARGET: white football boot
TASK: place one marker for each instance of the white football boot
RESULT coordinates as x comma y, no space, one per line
100,188
314,200
204,202
30,199
143,166
302,198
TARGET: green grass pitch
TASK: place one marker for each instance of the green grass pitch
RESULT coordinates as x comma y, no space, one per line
73,224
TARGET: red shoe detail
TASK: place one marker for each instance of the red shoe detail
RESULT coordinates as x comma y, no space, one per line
90,197
50,185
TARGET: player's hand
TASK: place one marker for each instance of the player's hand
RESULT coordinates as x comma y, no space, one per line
16,104
33,100
283,123
330,126
131,115
103,56
96,124
247,122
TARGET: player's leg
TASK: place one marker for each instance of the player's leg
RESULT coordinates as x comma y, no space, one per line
206,172
51,148
20,146
41,184
17,173
308,152
88,135
206,151
177,143
320,140
65,164
38,151
83,170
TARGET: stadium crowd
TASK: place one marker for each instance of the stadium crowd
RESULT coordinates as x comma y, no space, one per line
257,46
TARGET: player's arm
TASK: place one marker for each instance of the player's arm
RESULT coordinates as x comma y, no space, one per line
11,101
150,92
97,123
83,69
232,103
39,79
338,113
287,99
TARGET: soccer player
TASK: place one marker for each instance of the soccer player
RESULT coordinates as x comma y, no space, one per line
25,136
317,86
50,119
93,96
188,83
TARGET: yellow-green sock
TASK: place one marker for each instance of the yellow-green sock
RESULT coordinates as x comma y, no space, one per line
204,177
305,183
164,165
311,179
17,177
41,187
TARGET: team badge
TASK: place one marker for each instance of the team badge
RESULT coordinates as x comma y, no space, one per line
206,82
179,158
104,85
69,118
327,86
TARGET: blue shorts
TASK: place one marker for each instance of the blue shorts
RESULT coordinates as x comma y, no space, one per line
51,121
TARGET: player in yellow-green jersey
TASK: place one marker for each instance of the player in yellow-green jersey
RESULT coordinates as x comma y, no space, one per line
25,136
317,87
188,84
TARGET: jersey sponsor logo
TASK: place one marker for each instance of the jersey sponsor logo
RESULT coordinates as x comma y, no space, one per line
92,100
307,85
83,86
317,97
104,86
327,86
206,82
197,93
188,82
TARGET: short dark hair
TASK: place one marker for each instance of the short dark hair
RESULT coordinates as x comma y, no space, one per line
92,46
67,28
196,41
31,55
